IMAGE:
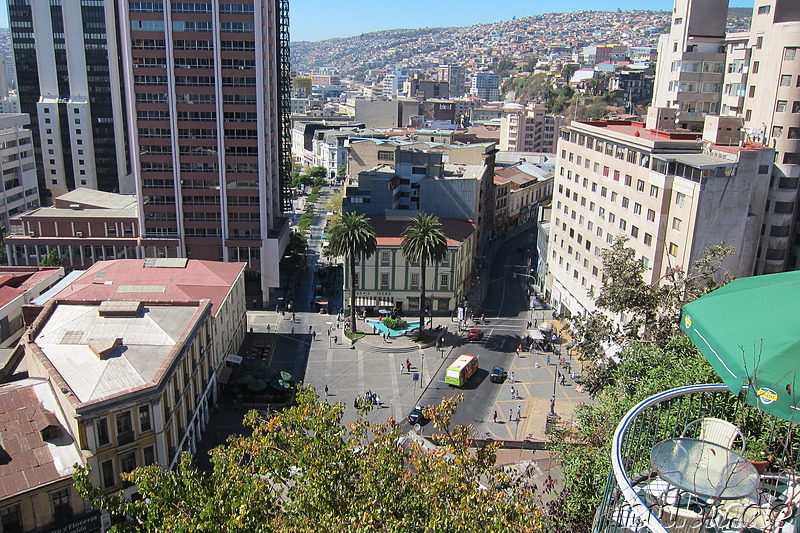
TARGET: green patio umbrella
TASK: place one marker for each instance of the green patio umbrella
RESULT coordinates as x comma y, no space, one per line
748,330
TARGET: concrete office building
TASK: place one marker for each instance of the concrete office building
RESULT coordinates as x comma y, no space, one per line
393,84
68,77
454,76
485,85
210,87
668,194
760,87
691,59
529,130
18,188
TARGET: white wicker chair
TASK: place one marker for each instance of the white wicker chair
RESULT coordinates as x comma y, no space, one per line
717,431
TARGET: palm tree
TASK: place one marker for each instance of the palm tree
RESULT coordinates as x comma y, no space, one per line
352,237
424,241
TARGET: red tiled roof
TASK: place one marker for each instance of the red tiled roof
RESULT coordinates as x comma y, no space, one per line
27,461
388,230
9,294
119,280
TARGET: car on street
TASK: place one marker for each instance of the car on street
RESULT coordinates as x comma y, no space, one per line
498,374
417,416
474,335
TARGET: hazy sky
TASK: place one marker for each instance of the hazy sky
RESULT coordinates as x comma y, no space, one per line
314,20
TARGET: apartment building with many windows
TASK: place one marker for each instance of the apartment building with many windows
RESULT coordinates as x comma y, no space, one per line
18,189
529,130
206,90
669,193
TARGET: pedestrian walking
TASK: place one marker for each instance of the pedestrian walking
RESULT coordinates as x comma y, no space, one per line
378,401
495,417
268,328
519,412
512,377
512,393
483,318
292,330
548,360
402,366
335,339
313,335
326,391
293,316
355,403
572,375
535,322
510,415
309,330
529,324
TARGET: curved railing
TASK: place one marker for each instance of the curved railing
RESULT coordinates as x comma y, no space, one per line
663,416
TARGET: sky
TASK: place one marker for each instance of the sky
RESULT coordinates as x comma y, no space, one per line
315,20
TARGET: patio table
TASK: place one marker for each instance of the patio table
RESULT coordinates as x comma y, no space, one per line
704,469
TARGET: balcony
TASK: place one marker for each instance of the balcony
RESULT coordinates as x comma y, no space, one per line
641,495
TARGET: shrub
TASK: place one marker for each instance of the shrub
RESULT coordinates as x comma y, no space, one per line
395,323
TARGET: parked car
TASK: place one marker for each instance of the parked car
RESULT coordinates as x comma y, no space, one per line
498,374
417,416
474,335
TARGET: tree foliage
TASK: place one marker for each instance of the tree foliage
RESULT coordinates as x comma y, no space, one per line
649,312
52,259
352,237
424,242
583,449
303,470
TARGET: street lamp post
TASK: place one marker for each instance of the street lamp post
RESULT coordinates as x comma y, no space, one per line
553,398
421,368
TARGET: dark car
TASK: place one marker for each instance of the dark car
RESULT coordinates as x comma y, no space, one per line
498,374
416,416
474,335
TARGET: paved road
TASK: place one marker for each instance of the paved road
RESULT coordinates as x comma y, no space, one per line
375,365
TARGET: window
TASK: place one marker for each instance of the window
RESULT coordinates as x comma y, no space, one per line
673,249
384,258
101,427
623,225
759,42
124,428
127,462
62,510
780,107
676,223
144,418
637,209
763,10
654,191
612,217
10,520
790,54
444,280
614,198
786,80
148,455
648,239
651,215
107,468
680,199
752,92
777,131
625,202
355,281
634,232
384,280
640,185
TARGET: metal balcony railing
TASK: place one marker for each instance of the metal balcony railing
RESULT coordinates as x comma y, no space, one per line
636,499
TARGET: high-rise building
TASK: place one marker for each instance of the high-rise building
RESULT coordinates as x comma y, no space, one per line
18,187
485,85
760,85
209,85
454,76
69,82
393,84
691,60
671,196
529,130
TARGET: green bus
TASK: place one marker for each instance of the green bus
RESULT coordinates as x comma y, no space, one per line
461,370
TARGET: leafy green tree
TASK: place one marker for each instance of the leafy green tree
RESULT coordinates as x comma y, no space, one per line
304,470
341,172
568,70
530,64
583,448
423,242
651,311
334,203
352,237
503,65
317,172
52,259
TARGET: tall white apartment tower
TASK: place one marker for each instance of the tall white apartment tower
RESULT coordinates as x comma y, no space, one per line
69,82
691,59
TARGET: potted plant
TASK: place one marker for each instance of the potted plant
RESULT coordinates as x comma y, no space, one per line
759,455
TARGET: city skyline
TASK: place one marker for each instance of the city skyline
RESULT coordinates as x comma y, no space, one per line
307,25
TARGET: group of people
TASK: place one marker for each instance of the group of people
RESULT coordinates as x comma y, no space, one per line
370,397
